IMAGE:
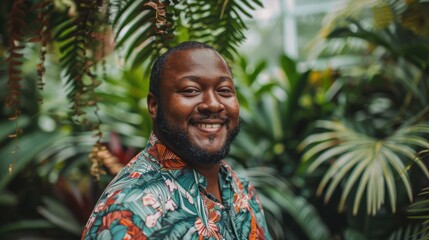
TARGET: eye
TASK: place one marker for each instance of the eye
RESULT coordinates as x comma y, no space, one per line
190,91
226,92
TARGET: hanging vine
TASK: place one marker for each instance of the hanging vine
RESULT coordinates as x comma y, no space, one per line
142,29
44,33
15,60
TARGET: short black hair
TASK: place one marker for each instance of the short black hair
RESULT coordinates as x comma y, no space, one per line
158,65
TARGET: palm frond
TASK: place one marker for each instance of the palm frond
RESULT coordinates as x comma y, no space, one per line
420,211
278,198
368,165
222,26
144,29
346,9
411,232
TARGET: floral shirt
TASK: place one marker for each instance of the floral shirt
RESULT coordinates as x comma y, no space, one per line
157,196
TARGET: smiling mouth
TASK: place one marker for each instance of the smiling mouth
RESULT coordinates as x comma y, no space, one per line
208,125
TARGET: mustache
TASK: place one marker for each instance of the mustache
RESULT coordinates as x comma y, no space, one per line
211,116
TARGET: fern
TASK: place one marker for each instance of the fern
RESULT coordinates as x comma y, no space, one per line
218,23
145,28
148,28
233,26
74,36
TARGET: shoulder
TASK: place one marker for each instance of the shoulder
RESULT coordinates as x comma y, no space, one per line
114,222
132,205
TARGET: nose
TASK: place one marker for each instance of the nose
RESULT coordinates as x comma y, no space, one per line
210,103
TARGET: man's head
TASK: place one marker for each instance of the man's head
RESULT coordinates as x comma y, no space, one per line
193,104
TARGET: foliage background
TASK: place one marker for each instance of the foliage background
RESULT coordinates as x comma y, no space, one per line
335,140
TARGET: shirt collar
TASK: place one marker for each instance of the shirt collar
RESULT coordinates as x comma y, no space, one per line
225,171
163,155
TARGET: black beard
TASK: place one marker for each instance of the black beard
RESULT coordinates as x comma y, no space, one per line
188,152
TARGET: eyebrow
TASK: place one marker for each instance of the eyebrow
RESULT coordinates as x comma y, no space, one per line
196,78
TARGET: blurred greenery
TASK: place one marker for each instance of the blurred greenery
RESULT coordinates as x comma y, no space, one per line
337,150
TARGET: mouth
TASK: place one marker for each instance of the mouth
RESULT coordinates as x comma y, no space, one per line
208,125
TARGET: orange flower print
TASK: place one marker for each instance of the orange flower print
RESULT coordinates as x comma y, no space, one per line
239,185
211,230
123,218
111,198
241,202
135,175
253,235
206,231
256,231
214,215
165,157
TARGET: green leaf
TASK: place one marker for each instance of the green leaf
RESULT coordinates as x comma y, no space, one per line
288,66
28,150
22,225
56,213
364,163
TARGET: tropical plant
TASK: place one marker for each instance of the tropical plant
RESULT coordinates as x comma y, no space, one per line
366,156
365,164
419,211
269,111
289,216
92,58
277,107
83,30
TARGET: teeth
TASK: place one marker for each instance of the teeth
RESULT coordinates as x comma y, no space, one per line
202,125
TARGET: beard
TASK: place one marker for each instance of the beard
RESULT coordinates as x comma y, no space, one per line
185,149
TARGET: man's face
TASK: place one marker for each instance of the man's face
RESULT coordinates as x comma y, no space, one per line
198,113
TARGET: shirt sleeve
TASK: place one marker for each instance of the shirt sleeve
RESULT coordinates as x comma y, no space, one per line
115,222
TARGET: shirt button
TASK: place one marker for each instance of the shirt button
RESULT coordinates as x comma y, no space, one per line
201,180
192,190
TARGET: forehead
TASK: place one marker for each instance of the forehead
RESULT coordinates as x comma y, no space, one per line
195,61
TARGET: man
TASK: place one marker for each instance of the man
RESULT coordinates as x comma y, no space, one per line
180,187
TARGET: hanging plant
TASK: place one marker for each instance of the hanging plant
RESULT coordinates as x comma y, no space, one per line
142,30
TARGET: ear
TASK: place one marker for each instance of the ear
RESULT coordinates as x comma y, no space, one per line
152,104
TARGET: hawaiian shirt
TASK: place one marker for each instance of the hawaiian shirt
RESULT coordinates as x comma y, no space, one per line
158,196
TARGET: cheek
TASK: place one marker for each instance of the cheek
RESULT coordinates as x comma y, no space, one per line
178,109
233,109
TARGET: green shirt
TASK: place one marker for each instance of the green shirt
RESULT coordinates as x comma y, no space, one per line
157,196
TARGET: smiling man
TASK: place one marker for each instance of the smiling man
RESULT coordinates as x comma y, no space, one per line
180,187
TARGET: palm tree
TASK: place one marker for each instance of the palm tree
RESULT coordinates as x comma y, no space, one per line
365,156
